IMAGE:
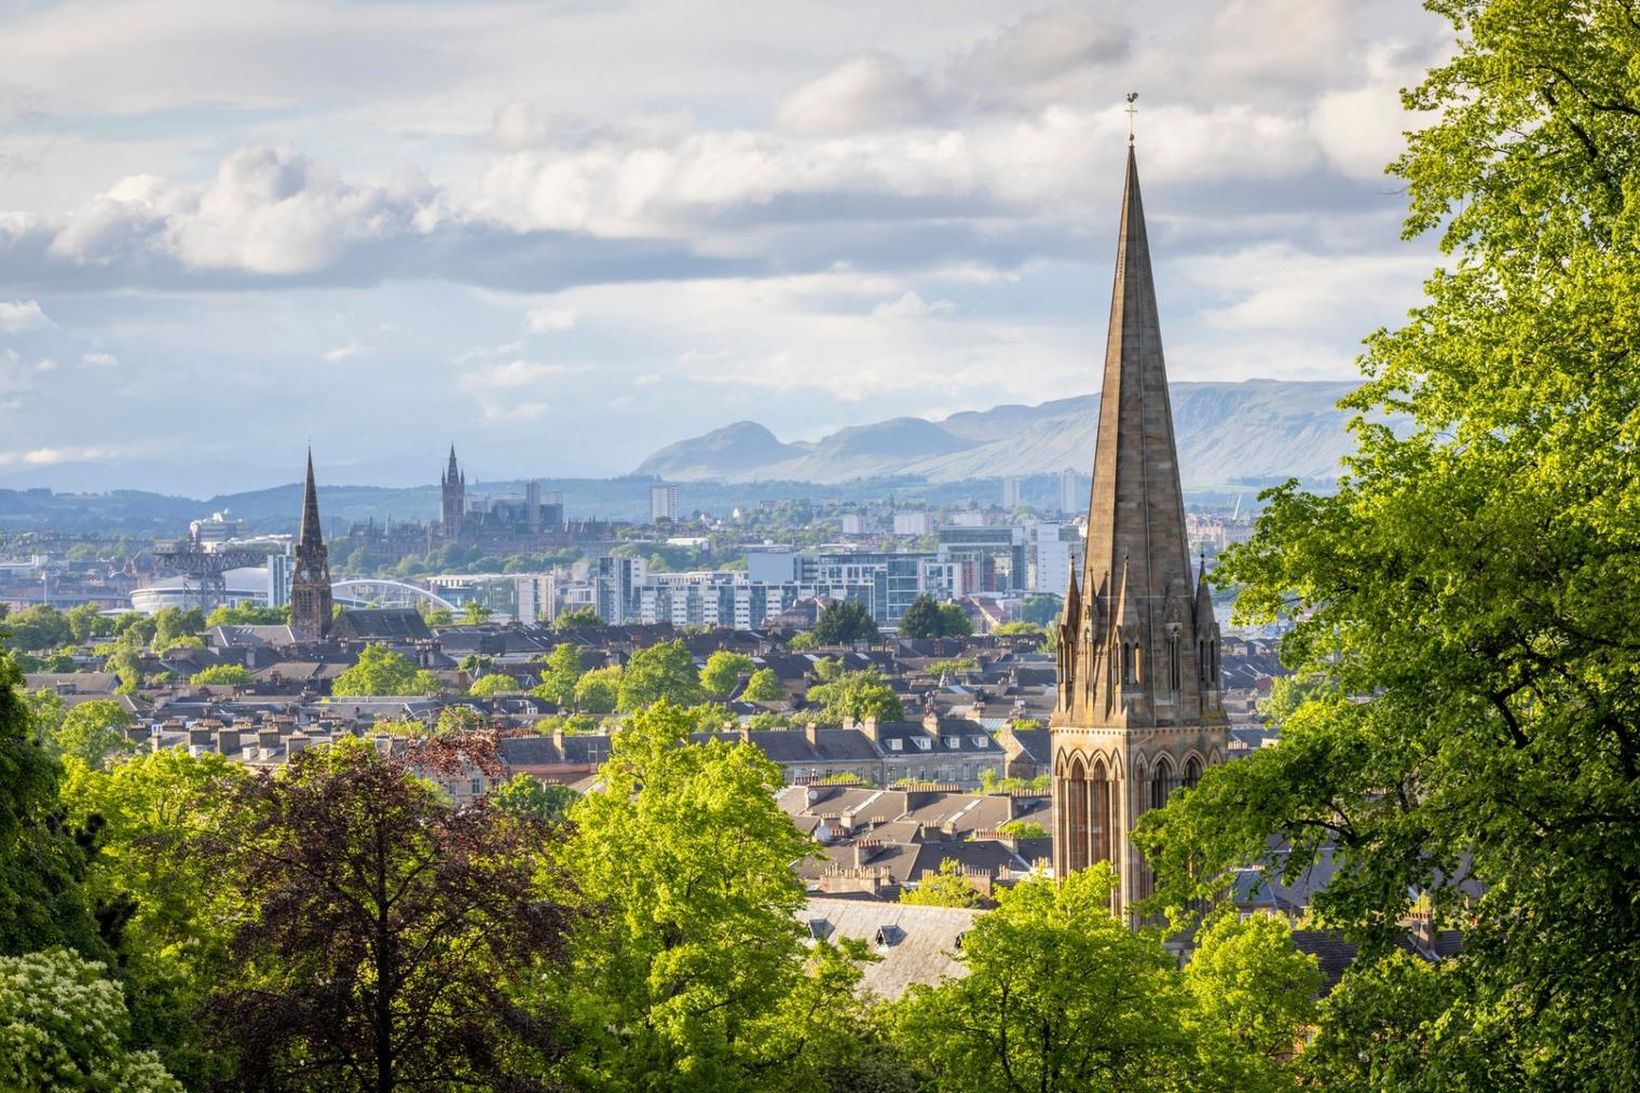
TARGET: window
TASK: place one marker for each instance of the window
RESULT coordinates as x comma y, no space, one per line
981,742
1173,666
477,786
924,743
895,744
953,742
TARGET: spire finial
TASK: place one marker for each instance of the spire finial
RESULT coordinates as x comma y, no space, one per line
1132,97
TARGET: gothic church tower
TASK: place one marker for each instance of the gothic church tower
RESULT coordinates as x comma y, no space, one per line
310,582
1138,711
453,499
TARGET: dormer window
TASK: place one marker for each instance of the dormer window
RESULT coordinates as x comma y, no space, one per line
924,744
953,742
895,744
980,741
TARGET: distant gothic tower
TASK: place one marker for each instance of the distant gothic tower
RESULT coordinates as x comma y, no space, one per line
1138,712
310,582
453,497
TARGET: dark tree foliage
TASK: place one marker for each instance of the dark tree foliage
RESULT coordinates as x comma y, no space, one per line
843,623
927,618
42,903
392,935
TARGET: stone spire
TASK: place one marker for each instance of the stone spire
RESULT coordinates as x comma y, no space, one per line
310,533
310,595
1138,600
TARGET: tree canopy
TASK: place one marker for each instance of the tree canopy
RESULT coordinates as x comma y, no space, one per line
843,622
1464,602
381,671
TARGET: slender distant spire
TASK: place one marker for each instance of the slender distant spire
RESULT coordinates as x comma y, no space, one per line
311,532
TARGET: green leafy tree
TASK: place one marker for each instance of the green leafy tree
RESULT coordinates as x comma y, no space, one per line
395,938
1469,590
37,628
175,904
579,618
562,672
63,1027
248,614
174,624
93,731
86,622
496,683
723,671
763,686
855,696
381,671
1022,829
946,888
222,675
599,690
439,616
475,614
41,866
803,639
1398,1022
954,621
459,718
1042,609
1018,1021
1251,983
665,670
843,622
527,795
698,970
921,619
928,618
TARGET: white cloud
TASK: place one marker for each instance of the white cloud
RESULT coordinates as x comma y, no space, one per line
17,316
542,320
1044,58
98,358
1280,288
344,353
871,91
46,364
912,306
1361,129
44,457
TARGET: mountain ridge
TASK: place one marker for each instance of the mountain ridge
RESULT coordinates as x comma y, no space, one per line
1227,433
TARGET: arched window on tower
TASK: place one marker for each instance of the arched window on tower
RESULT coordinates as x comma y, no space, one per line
1138,663
1161,782
1174,668
1192,772
1201,662
1127,663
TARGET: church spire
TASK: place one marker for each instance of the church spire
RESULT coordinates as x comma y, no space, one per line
1136,532
310,532
310,596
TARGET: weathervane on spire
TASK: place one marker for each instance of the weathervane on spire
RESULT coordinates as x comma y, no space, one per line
1132,97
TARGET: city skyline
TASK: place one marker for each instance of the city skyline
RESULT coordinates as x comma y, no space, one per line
328,220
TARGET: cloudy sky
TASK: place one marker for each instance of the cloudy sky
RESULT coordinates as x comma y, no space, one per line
561,233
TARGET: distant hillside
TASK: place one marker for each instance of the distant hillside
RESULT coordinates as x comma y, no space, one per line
1228,434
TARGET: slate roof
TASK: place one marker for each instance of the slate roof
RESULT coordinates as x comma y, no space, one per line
380,624
921,944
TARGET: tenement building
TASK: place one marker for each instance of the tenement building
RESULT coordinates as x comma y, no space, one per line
1137,712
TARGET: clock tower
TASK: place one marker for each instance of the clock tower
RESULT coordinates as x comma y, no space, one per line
310,580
